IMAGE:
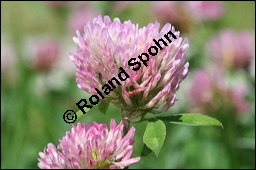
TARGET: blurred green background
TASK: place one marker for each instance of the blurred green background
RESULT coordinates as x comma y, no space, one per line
35,96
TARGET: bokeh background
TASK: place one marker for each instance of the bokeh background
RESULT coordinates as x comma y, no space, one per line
38,79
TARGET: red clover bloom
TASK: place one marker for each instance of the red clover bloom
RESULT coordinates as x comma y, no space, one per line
105,47
91,146
232,49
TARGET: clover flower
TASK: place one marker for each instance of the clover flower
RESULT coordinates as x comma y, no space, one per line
8,56
9,59
91,146
79,18
232,49
237,94
204,88
186,14
42,53
209,93
105,47
204,10
168,11
121,6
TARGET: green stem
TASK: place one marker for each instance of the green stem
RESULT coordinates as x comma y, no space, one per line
126,126
126,129
125,118
79,114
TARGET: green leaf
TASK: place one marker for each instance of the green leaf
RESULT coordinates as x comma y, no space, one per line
154,135
145,151
192,119
103,106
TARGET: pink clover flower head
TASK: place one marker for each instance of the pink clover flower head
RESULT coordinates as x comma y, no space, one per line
79,18
204,10
232,50
91,146
106,50
46,54
209,92
237,94
206,83
167,11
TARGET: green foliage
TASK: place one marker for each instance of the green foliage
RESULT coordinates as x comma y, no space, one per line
103,106
31,116
192,119
154,135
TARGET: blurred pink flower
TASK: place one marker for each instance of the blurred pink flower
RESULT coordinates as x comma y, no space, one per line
232,50
209,93
204,10
79,17
9,59
105,46
91,146
167,11
184,14
205,85
8,56
46,54
201,90
57,77
122,5
238,98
